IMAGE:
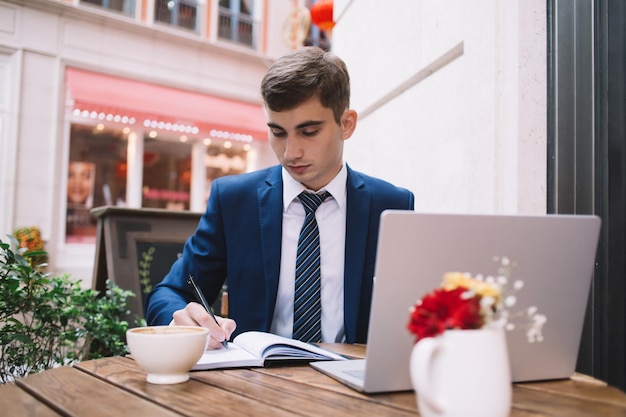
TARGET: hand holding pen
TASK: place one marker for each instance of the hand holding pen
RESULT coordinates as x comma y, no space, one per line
200,298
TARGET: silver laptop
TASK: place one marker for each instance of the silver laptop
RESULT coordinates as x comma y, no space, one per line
553,254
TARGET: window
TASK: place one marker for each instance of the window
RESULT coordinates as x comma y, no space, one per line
166,174
96,177
223,159
126,7
236,23
181,13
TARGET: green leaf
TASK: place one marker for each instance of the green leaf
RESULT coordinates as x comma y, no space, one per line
47,321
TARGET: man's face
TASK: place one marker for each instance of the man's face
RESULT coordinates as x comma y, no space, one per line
308,142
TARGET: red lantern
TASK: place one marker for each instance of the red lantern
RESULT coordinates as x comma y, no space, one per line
322,14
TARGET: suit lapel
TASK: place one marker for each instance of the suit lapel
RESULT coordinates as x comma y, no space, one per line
357,215
270,209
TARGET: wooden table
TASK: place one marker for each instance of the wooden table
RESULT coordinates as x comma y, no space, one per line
117,387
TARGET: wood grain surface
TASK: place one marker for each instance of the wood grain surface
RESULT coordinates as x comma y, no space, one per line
117,387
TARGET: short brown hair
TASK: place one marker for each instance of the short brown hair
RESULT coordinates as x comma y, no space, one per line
304,73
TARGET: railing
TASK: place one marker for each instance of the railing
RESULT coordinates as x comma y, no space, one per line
126,7
237,27
182,13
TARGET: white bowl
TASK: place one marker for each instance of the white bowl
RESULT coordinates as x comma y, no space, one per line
167,353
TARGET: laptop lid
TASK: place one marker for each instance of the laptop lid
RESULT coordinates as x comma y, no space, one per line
552,254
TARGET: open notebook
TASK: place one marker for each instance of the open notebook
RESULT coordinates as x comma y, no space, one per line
553,254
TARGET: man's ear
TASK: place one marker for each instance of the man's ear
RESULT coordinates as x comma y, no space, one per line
348,123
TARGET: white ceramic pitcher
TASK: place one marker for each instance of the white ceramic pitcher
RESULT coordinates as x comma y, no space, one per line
462,373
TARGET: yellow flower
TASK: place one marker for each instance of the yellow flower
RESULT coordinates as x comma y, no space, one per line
453,280
30,238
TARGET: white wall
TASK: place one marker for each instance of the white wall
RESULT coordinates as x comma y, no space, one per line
452,95
8,147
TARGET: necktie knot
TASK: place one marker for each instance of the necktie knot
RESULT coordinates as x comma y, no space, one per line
312,201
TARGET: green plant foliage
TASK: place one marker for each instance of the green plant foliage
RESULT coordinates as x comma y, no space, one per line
144,269
49,321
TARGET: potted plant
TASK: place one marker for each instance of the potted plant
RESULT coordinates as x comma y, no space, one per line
48,321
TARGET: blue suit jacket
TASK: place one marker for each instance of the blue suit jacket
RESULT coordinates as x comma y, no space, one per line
239,237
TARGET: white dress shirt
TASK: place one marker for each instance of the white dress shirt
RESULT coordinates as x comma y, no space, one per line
331,221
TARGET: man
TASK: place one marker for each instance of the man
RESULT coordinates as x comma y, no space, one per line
250,230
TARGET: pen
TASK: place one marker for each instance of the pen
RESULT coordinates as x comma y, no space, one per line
202,300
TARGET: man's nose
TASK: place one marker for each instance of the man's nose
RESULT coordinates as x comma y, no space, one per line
293,150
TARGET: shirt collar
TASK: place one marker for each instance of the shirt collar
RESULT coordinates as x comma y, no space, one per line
336,187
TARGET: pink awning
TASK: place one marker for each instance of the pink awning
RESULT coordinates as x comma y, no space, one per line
156,106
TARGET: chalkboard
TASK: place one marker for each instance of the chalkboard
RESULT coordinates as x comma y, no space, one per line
154,259
126,237
153,256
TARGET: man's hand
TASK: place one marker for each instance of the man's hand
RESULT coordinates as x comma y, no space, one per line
195,315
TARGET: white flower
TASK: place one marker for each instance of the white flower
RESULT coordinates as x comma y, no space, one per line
510,301
487,302
500,315
534,333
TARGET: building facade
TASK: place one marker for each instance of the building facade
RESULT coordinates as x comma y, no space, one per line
134,103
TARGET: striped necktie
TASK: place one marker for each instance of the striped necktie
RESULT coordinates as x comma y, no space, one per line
307,307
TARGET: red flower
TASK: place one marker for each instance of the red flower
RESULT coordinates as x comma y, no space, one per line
442,310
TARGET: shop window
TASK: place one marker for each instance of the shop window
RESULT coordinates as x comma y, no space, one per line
126,7
166,174
224,159
96,177
181,13
236,22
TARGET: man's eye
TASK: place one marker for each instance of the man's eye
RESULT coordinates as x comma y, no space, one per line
278,133
310,132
